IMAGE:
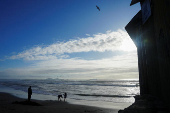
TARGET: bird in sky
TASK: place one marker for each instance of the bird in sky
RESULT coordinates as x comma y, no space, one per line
98,8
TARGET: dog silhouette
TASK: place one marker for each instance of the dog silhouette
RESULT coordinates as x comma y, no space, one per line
59,97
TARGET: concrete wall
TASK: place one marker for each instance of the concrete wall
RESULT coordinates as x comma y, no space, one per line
161,13
153,45
147,59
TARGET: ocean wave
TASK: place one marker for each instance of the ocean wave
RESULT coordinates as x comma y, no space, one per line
117,85
123,91
116,96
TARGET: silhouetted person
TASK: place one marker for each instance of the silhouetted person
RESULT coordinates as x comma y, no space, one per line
98,8
65,96
29,93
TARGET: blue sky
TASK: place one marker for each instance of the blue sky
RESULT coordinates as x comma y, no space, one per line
69,39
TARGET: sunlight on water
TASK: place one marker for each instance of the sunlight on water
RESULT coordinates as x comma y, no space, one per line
108,91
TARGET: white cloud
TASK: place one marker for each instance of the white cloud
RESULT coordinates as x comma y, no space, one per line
110,41
53,61
87,34
117,67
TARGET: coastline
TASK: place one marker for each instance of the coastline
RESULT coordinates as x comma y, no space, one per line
49,106
40,97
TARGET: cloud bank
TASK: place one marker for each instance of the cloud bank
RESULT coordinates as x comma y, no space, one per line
53,61
110,41
117,67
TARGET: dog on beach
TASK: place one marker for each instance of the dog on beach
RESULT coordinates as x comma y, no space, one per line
59,97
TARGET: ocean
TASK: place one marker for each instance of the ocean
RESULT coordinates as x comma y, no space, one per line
115,91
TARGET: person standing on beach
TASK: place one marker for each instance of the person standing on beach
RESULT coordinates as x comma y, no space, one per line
29,93
65,96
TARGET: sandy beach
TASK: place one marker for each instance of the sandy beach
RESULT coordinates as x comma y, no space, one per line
48,106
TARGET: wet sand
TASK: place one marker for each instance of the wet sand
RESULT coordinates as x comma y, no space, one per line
47,106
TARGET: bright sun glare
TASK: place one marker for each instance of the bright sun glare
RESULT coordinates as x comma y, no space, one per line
128,45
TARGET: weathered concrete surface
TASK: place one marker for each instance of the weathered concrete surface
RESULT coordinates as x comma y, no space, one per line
146,104
152,40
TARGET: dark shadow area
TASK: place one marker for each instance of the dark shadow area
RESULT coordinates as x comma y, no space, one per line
31,103
146,104
149,30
